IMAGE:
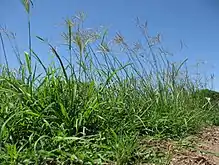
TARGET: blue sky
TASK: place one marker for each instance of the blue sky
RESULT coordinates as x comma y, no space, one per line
195,22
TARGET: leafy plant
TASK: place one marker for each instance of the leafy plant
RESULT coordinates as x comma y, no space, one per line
92,107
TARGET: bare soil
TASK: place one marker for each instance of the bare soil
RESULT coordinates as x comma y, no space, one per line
203,151
200,149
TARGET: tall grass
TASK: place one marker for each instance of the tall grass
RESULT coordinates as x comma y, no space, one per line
92,108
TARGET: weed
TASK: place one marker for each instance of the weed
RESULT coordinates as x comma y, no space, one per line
93,107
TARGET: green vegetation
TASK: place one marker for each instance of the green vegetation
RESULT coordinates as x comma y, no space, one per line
92,107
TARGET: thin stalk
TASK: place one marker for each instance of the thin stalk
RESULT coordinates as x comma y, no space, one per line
4,52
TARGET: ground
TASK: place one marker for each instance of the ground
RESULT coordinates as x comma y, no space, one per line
200,149
205,150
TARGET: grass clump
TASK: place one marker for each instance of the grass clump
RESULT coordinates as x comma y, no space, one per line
92,108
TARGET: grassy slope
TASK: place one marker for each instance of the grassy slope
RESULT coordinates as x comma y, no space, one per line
98,109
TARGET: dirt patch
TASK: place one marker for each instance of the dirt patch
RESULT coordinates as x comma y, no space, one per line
200,149
204,149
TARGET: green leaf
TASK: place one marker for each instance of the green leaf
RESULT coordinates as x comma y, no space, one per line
64,112
28,62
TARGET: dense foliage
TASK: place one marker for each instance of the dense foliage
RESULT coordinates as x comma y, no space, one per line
92,107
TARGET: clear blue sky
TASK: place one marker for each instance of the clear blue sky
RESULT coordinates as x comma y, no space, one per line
195,22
